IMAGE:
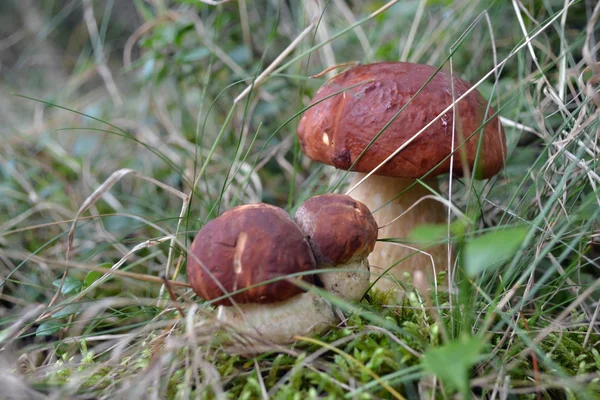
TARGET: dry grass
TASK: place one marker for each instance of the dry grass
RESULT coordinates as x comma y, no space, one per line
138,133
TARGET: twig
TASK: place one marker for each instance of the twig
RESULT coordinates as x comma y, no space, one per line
167,284
320,74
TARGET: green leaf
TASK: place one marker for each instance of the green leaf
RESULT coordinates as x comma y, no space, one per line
194,55
67,310
71,285
48,328
181,32
488,251
91,277
143,10
451,362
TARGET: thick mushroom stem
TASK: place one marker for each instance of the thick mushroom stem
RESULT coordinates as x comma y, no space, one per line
375,192
351,283
305,314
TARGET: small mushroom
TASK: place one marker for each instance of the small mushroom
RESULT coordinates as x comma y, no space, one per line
337,130
246,246
341,232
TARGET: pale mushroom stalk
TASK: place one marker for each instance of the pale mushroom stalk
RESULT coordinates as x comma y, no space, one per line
381,195
305,314
351,283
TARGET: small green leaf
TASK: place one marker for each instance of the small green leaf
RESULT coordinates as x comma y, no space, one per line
71,285
451,362
193,55
490,250
48,328
143,10
181,32
67,310
91,277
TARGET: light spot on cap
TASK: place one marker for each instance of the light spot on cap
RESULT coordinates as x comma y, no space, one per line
325,138
239,250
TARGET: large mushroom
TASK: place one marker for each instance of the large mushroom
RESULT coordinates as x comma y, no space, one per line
249,245
337,130
342,233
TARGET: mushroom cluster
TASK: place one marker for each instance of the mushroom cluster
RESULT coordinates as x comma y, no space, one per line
399,100
250,261
397,121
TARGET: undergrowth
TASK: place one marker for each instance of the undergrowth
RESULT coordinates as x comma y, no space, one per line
153,117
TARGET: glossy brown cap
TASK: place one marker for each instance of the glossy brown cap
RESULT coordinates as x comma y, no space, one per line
337,227
248,245
337,130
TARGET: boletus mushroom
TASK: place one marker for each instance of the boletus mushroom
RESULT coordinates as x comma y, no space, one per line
337,130
341,232
243,248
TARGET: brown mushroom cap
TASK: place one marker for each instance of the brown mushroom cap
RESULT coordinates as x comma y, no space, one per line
338,129
245,246
338,228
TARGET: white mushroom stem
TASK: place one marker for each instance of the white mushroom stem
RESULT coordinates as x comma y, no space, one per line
349,284
306,314
375,192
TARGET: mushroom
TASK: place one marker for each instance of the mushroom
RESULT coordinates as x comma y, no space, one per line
341,232
337,130
244,247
